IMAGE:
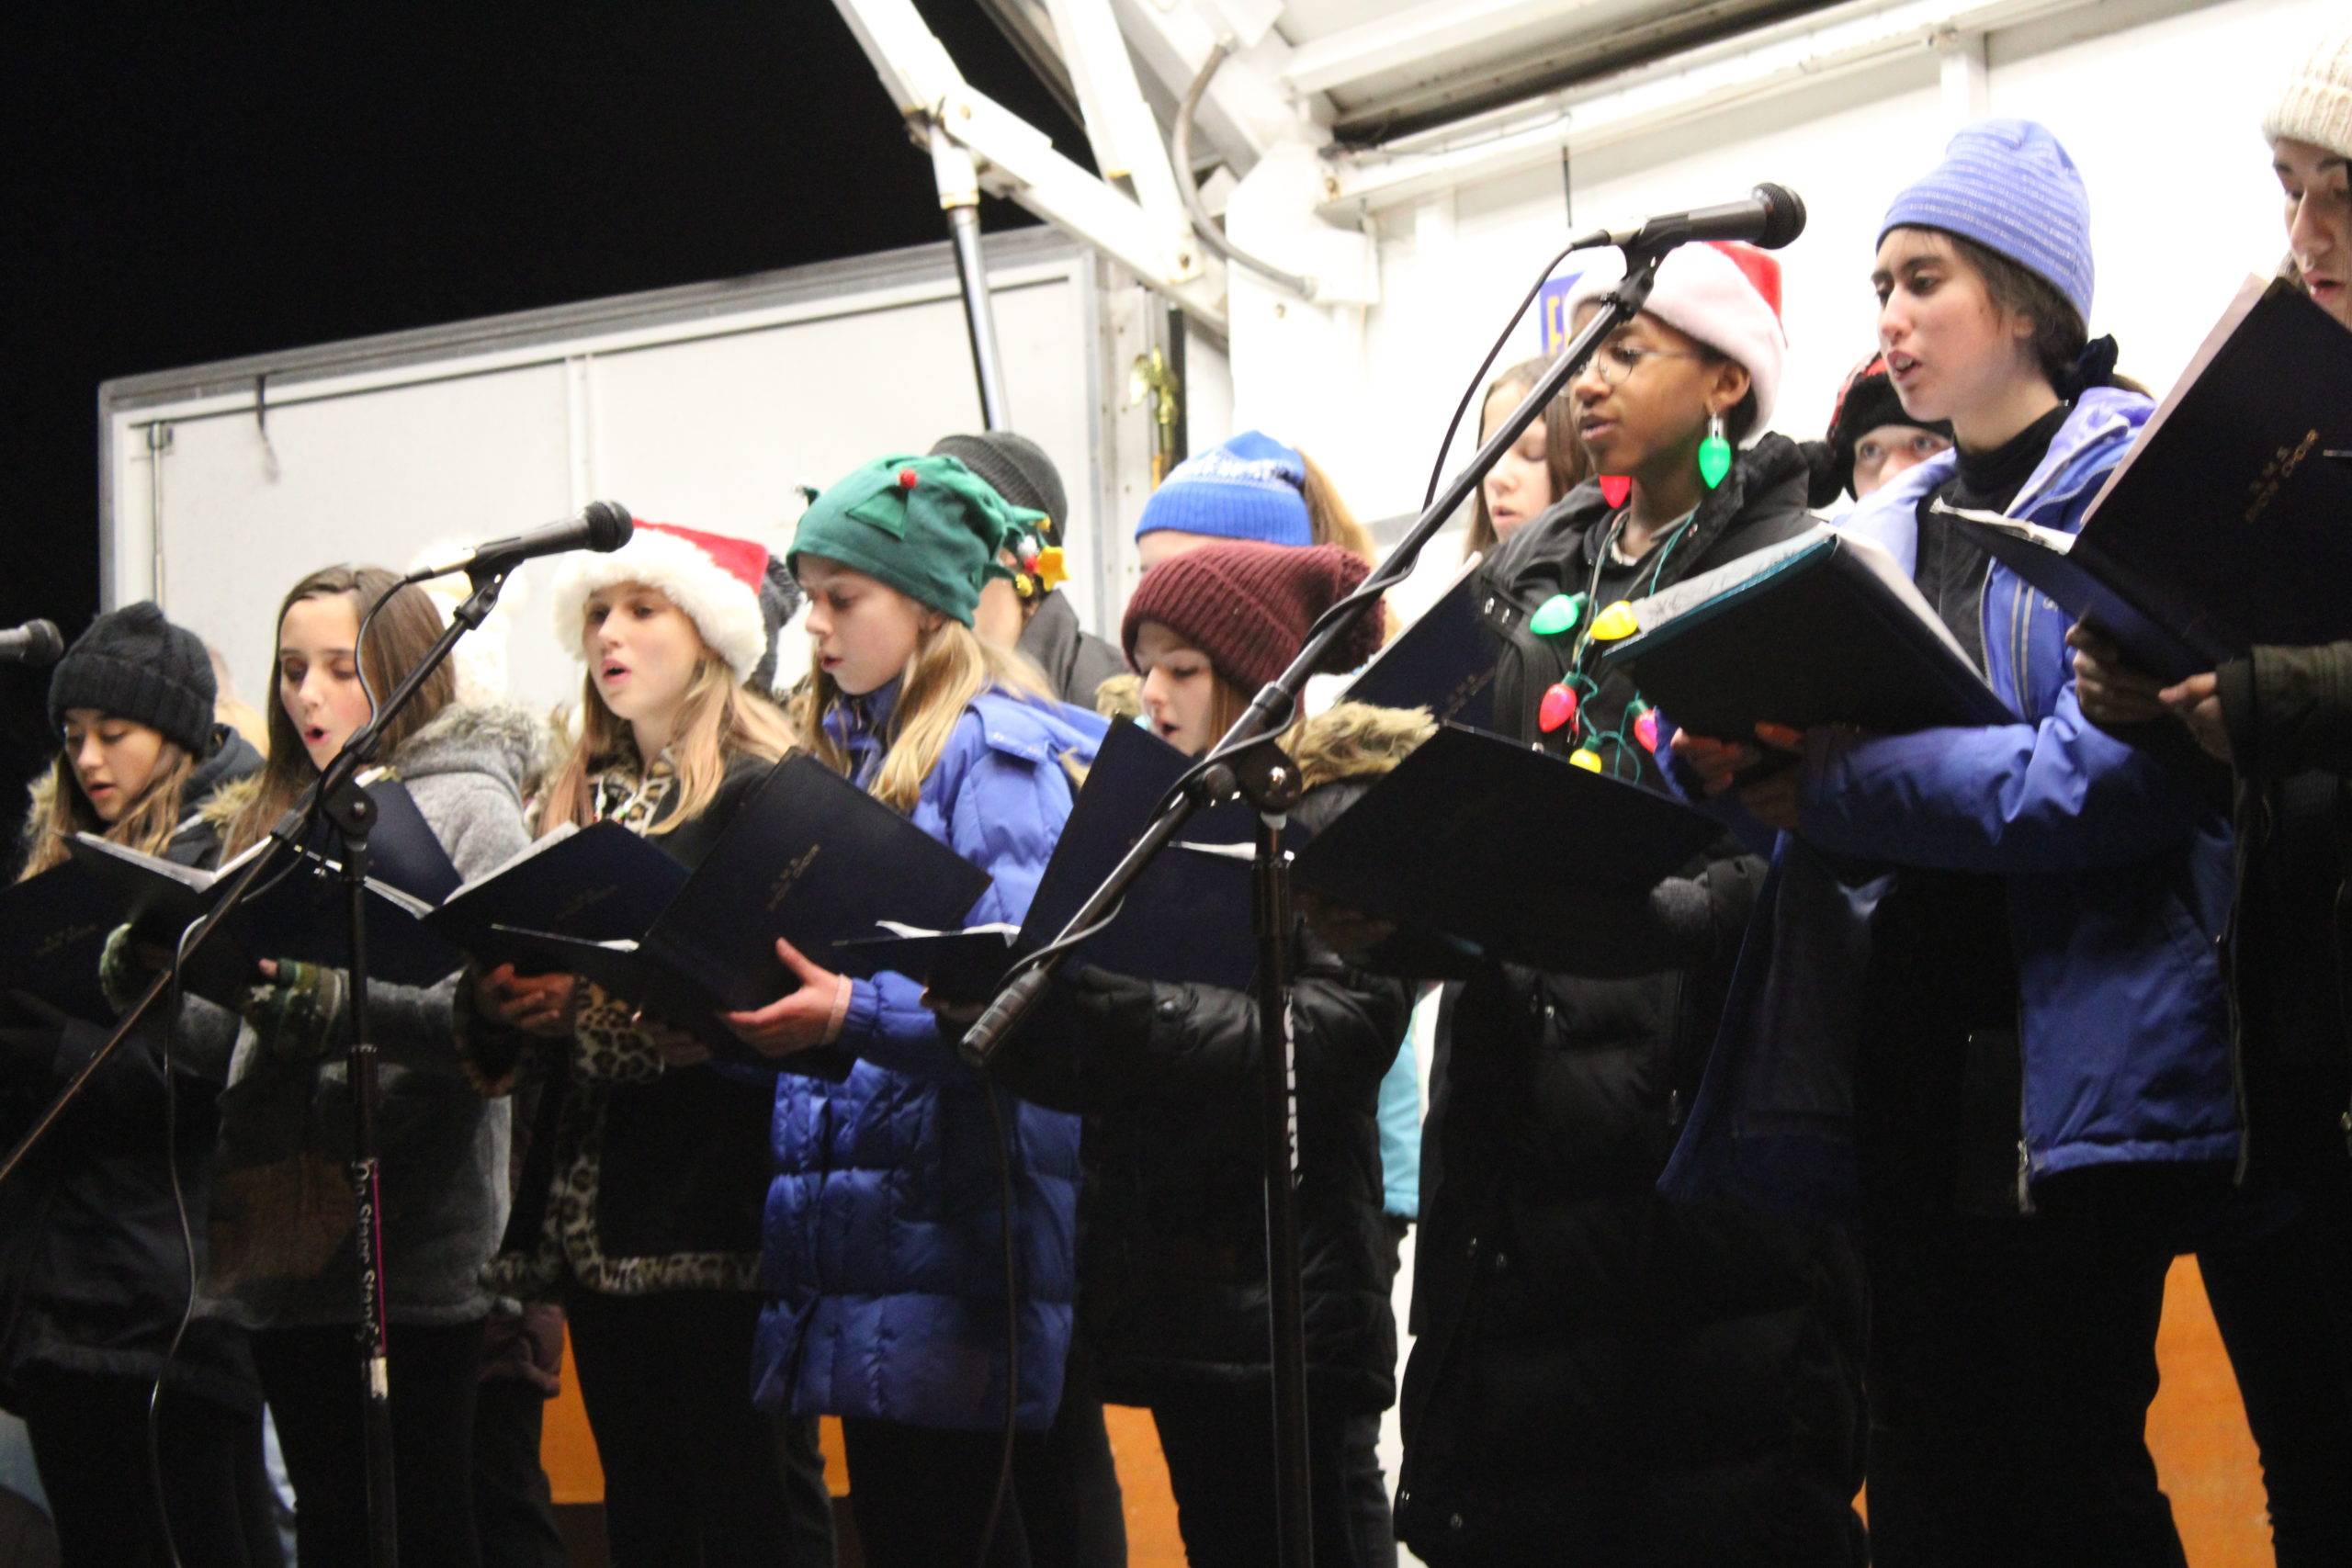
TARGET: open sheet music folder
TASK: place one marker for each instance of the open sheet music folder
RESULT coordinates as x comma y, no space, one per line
1823,628
1186,919
1444,661
2227,524
300,909
810,858
1467,840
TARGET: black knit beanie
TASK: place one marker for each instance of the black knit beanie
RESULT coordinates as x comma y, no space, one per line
134,664
1867,401
1016,468
780,600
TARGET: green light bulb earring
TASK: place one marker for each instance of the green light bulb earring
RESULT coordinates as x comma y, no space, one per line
1714,452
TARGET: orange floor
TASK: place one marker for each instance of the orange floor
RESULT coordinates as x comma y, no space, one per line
2196,1430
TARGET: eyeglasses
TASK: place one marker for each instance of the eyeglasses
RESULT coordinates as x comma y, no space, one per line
1616,361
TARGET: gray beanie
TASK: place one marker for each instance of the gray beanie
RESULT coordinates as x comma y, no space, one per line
134,664
1016,468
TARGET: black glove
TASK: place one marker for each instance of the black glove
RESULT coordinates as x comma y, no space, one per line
1128,1028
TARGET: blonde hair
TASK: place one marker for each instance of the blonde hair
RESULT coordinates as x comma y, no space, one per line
718,717
61,811
1329,520
404,631
950,666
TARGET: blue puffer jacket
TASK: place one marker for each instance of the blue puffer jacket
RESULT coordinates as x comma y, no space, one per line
883,1242
2118,887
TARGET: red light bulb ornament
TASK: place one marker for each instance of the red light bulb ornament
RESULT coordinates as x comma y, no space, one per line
1645,724
1558,709
1615,488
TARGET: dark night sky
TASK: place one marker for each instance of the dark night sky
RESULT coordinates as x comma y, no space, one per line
195,183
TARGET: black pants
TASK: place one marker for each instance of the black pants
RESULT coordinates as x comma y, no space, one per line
2283,1302
514,1511
694,1472
90,1438
2012,1356
313,1379
1220,1449
1067,1480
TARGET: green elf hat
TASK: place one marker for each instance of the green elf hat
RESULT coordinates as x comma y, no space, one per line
927,526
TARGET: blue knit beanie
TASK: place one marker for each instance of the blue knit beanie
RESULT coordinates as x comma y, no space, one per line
2008,185
1253,486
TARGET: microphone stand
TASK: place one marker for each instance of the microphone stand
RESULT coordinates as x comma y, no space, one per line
345,803
1247,762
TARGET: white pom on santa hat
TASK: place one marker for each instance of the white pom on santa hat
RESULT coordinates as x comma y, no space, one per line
713,578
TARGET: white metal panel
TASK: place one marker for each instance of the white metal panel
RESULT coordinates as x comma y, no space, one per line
704,406
373,478
715,432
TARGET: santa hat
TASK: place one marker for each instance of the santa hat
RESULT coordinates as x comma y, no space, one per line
1706,294
715,580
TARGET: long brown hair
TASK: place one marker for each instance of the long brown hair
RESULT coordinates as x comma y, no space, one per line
402,633
952,665
718,717
147,824
1564,454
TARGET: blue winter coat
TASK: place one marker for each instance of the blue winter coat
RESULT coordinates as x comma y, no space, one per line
883,1243
2118,887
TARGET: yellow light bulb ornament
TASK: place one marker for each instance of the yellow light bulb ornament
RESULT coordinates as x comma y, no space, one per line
1615,622
1585,757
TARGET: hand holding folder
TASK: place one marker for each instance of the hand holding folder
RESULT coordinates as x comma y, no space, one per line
1468,847
810,857
1186,919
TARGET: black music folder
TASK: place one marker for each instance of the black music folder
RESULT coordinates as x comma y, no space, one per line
54,931
2229,524
1469,841
600,883
1823,628
810,858
1187,918
300,909
1444,661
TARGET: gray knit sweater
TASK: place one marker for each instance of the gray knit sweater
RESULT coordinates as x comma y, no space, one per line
282,1214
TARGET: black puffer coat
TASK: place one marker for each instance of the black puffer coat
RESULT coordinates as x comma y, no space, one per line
1172,1272
2289,947
1601,1375
95,1271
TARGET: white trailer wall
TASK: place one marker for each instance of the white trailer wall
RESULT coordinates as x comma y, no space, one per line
703,406
2160,103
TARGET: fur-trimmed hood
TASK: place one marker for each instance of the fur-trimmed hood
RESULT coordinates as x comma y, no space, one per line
511,744
1356,740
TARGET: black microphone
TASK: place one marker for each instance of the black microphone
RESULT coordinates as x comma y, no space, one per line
601,526
1771,216
35,642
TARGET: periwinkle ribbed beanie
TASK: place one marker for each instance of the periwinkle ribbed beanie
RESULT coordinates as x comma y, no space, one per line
1251,487
2008,185
1248,606
2316,103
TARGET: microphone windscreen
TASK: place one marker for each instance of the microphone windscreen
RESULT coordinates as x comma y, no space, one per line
1786,215
609,525
43,646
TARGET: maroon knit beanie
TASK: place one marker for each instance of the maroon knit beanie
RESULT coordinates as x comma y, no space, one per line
1247,606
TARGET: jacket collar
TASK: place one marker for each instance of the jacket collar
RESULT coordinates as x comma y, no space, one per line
2082,452
861,727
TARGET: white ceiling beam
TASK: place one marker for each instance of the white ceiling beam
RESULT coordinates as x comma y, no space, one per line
1762,66
1413,36
1127,140
1247,109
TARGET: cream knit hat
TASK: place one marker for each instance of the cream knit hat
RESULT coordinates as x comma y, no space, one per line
2316,106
